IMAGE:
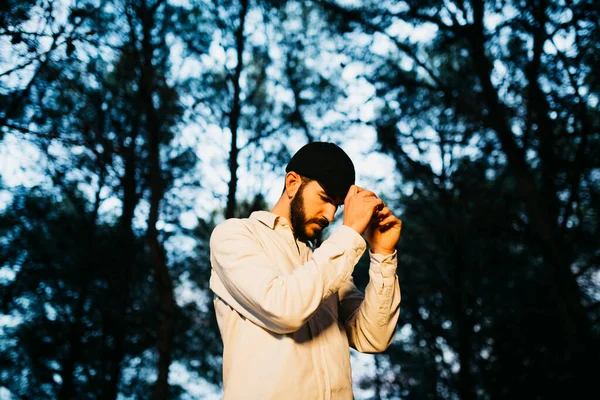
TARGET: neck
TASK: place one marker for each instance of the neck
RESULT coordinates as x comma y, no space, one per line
282,208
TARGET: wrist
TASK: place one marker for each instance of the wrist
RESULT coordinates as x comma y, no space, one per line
355,228
382,250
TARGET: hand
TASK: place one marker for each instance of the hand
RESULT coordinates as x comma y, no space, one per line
383,232
359,207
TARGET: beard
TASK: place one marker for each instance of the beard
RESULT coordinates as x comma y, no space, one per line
299,221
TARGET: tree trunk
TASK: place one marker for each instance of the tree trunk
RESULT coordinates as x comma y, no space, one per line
76,329
167,305
234,116
568,297
377,381
464,319
462,299
295,85
119,274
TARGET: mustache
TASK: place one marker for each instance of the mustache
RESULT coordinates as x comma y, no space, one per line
321,222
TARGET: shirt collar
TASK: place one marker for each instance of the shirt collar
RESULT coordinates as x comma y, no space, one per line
268,218
273,220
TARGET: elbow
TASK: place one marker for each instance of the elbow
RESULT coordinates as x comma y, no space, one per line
284,324
372,348
381,347
287,326
282,308
371,341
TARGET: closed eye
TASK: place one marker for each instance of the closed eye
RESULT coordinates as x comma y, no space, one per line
328,200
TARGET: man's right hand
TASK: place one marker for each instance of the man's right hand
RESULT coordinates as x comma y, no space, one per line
359,206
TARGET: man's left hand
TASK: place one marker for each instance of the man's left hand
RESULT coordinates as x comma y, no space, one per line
383,232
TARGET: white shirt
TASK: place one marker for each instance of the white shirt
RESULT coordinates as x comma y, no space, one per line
288,314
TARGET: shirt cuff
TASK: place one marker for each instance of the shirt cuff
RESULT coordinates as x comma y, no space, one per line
384,264
347,237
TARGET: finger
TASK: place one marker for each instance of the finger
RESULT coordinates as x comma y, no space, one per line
389,220
372,205
352,191
378,205
396,224
384,212
367,193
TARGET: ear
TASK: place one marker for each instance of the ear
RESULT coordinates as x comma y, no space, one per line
293,181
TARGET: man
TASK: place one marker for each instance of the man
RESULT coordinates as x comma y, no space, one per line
288,313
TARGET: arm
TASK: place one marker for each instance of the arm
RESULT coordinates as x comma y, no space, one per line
246,279
371,322
370,319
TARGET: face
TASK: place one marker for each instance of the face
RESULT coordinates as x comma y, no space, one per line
311,210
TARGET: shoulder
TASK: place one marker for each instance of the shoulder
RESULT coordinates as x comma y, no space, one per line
260,224
233,228
231,225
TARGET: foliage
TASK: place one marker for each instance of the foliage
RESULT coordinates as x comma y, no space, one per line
153,120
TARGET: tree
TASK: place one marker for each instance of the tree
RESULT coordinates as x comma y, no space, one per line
94,118
499,79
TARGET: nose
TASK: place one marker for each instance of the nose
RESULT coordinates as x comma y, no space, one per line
330,212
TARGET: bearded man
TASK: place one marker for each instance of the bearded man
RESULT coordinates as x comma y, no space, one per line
288,312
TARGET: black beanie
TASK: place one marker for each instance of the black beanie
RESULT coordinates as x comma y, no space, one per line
326,163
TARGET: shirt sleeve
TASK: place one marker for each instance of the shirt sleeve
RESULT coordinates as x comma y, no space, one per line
371,317
246,279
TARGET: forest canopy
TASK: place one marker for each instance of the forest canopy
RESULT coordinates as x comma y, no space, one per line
130,128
